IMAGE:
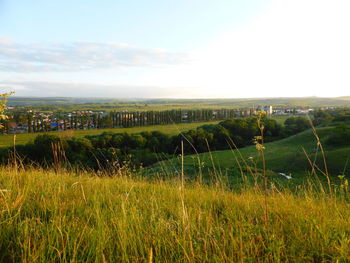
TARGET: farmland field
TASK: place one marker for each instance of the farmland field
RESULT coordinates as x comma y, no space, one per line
70,104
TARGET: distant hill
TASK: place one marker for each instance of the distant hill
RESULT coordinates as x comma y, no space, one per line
30,101
243,102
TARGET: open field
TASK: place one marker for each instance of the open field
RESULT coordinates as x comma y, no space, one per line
129,107
285,156
48,217
280,118
7,140
71,104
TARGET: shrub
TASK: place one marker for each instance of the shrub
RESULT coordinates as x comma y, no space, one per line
340,135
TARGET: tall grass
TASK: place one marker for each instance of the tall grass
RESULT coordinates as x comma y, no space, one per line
47,216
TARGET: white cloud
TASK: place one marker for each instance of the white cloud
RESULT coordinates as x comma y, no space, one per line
80,56
79,89
296,48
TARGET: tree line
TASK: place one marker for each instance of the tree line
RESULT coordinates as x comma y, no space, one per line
113,119
115,149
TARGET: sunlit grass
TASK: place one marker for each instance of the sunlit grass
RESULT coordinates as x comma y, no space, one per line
64,217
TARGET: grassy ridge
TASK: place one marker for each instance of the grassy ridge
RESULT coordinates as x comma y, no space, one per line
281,156
7,140
48,217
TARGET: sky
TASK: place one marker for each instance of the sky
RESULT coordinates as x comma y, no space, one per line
175,49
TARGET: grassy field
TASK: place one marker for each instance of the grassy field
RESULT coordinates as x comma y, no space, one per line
280,118
130,107
285,156
7,140
49,217
52,103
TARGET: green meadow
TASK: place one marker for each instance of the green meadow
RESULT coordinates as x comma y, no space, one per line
289,156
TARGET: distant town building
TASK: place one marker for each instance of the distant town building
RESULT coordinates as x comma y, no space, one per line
267,109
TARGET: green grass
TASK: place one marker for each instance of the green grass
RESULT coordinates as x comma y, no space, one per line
171,129
280,118
48,217
285,156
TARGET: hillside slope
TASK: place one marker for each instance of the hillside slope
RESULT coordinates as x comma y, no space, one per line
285,156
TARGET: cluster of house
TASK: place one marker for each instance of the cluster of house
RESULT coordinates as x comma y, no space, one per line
270,110
47,118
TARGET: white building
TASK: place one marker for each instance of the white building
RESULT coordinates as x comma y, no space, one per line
268,109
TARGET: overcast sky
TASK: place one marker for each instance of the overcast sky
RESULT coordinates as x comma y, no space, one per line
177,49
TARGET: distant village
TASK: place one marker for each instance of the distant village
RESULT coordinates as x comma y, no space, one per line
34,121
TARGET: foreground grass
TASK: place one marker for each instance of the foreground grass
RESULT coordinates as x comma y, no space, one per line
171,129
48,217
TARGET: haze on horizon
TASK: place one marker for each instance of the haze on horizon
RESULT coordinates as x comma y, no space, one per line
175,49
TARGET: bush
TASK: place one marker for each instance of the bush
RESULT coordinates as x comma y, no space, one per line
340,135
42,149
321,118
294,125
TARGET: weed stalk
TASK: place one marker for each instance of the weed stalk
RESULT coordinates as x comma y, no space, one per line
259,144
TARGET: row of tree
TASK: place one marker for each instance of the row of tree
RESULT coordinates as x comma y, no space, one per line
86,120
331,116
100,151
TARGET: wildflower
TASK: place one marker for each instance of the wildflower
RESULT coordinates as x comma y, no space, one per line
341,177
259,147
